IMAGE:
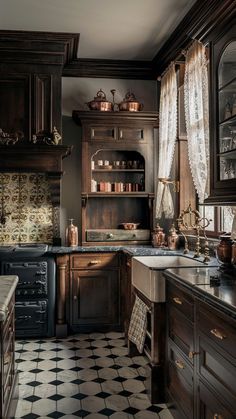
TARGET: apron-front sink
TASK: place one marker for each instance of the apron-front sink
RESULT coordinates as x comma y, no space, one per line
147,273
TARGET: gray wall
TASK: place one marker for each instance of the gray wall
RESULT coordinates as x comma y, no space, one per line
75,93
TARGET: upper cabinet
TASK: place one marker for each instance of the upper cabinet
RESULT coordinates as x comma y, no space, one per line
223,118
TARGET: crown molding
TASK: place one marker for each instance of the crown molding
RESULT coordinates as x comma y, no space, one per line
104,68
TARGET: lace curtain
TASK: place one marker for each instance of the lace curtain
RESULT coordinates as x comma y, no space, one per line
197,116
167,139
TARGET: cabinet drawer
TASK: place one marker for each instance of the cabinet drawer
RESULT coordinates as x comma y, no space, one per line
219,329
131,134
181,300
211,407
181,331
216,370
117,235
180,381
103,133
94,261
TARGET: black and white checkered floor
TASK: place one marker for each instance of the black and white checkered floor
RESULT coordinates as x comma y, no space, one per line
85,376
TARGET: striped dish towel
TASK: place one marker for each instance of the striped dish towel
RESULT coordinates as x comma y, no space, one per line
138,324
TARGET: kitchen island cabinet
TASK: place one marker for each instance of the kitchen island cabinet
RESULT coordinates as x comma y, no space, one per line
8,375
201,345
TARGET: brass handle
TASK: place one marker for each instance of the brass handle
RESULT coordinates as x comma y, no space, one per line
179,364
177,300
128,264
217,334
217,416
192,354
94,262
121,134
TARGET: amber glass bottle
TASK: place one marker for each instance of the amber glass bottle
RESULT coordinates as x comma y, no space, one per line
72,234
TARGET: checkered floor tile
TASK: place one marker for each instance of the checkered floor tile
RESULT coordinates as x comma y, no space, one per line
87,376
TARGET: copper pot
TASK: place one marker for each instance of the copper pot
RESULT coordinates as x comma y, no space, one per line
130,103
100,103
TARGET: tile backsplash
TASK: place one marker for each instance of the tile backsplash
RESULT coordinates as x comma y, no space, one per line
25,201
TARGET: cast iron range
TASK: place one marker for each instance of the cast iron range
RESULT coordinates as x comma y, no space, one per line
35,292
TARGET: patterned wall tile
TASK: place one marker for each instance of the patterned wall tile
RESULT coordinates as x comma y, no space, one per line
26,199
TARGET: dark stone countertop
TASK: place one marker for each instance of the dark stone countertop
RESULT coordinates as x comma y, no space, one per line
210,285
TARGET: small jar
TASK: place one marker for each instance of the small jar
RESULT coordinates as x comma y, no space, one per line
158,237
224,250
173,238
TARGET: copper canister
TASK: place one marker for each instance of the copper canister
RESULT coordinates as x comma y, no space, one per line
233,260
158,237
224,250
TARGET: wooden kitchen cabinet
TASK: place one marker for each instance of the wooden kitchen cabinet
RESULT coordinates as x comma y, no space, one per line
223,115
117,175
95,292
216,363
201,357
180,349
8,375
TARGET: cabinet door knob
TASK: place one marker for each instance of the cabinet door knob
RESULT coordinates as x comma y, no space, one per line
177,300
217,334
94,262
75,298
110,235
179,364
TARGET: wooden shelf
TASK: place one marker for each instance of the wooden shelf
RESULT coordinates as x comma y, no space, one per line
117,170
117,194
230,154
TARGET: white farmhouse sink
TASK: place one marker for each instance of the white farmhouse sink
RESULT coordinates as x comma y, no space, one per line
147,273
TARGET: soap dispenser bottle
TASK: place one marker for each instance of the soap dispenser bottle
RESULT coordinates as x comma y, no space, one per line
173,238
72,234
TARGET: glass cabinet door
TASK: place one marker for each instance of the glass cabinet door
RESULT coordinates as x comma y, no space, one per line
227,113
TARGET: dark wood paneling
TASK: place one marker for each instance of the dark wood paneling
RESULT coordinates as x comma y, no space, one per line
15,93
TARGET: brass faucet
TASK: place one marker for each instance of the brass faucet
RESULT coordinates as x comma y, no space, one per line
191,219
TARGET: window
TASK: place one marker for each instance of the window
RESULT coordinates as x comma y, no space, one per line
222,219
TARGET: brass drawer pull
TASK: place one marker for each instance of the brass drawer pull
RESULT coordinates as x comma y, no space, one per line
177,300
94,262
217,334
192,354
217,416
179,364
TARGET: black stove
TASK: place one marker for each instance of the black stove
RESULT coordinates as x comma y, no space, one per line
35,292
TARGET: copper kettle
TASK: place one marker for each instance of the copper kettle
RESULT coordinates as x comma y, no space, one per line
130,103
100,103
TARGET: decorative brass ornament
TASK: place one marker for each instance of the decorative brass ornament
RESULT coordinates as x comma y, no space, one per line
10,139
41,138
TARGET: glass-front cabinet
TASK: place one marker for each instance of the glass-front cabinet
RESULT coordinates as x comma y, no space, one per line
223,118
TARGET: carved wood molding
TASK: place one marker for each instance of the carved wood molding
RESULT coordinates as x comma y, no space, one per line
48,47
115,69
199,23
